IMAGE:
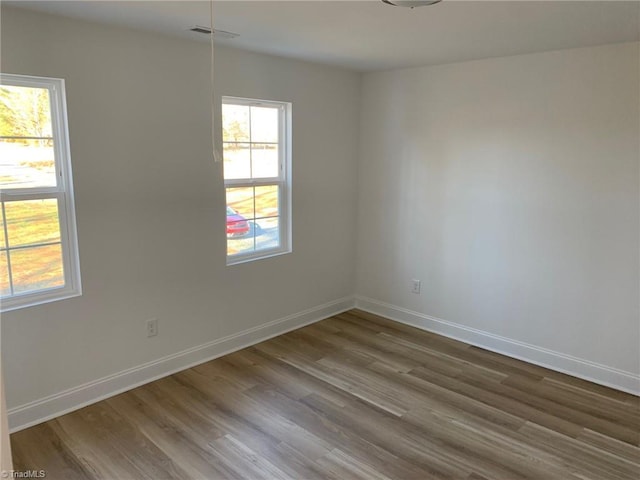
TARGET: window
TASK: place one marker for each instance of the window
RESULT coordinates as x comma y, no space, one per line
257,169
38,246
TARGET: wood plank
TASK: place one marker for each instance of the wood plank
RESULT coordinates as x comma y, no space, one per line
41,447
336,433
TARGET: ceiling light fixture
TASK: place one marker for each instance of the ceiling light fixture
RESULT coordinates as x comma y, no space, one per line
411,3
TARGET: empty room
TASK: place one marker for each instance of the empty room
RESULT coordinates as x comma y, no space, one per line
361,239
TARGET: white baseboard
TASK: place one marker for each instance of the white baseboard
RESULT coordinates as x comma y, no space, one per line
577,367
44,409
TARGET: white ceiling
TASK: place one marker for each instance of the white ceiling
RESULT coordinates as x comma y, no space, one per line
368,35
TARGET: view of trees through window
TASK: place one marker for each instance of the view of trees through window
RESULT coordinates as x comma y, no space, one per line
254,176
30,240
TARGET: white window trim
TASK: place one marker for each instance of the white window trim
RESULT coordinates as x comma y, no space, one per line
63,192
283,181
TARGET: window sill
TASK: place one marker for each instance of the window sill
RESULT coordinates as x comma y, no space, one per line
35,299
238,259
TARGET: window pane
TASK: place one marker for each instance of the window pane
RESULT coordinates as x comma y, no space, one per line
3,244
267,233
240,199
36,268
266,201
5,288
24,112
264,160
31,222
264,124
241,245
235,123
259,206
27,164
237,160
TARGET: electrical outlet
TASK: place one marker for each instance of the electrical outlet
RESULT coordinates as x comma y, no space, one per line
415,286
152,327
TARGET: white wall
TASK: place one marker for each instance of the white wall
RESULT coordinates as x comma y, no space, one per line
6,461
509,186
150,202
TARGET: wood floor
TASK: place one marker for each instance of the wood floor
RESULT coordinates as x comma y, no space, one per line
353,396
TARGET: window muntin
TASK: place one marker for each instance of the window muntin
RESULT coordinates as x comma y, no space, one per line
38,246
257,177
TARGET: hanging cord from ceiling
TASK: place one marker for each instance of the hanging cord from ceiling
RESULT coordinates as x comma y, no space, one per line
217,156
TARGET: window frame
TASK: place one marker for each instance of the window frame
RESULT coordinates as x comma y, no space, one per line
62,192
283,180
